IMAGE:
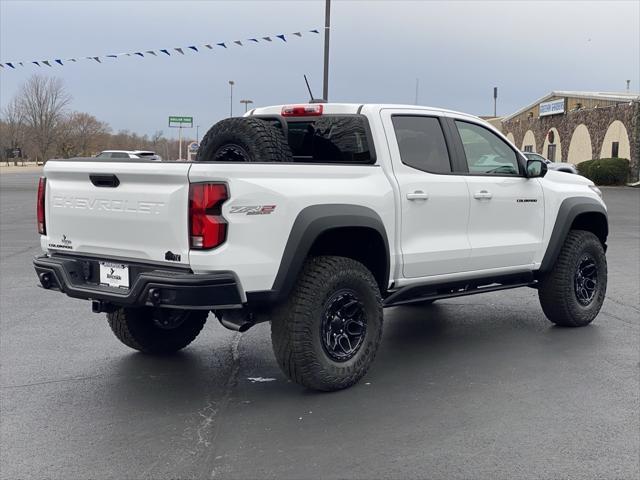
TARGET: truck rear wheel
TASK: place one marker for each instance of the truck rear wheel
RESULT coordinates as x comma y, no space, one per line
572,294
326,335
156,330
244,139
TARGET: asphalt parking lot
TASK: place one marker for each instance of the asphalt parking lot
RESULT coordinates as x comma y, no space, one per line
476,387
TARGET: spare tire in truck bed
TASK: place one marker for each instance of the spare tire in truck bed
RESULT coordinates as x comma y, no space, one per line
244,139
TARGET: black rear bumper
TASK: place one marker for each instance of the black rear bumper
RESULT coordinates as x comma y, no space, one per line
78,277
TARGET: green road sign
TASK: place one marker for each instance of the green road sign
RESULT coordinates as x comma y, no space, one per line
176,121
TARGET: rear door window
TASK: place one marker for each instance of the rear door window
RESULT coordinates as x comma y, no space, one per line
421,143
119,155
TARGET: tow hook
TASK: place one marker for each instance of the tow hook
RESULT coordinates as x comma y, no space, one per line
45,280
154,296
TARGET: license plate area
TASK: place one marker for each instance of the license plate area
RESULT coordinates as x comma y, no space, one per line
114,274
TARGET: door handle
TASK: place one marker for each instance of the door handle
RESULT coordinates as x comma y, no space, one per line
482,195
417,195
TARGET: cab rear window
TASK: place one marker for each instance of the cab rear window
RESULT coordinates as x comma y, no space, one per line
329,139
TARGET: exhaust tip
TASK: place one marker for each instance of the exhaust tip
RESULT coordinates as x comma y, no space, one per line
236,320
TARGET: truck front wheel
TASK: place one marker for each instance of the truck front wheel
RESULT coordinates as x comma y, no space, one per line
572,294
156,330
326,335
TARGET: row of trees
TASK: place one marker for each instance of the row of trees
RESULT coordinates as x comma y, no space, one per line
39,122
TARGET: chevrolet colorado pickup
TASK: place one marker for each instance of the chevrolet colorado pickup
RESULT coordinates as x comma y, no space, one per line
315,217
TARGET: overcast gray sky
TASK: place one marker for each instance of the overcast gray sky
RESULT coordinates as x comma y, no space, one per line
459,50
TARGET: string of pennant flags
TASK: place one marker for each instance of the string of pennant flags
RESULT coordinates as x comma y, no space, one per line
282,37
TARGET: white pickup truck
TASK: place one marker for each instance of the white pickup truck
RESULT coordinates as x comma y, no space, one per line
315,217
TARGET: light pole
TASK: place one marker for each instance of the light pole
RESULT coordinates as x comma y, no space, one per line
246,104
495,101
327,24
197,133
231,84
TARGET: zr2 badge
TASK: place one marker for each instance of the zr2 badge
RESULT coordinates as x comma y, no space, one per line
253,209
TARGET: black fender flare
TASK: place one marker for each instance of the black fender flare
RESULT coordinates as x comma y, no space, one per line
310,223
569,210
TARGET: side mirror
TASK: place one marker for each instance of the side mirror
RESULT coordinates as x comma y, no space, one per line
536,168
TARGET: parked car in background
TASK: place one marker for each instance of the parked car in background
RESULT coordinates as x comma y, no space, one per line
559,167
124,154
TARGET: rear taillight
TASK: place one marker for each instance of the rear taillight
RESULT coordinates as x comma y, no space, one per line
207,226
302,110
42,187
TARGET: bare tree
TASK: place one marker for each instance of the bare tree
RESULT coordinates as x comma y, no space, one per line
13,127
84,134
43,101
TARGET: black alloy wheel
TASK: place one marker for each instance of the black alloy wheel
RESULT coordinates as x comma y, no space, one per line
586,279
344,325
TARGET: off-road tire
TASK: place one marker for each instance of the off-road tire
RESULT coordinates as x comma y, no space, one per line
557,291
296,325
244,139
136,328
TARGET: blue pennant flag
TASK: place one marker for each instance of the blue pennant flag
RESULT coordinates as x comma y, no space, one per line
180,50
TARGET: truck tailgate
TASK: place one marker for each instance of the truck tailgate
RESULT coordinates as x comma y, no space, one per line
127,210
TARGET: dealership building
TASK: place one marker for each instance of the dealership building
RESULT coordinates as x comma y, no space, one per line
577,126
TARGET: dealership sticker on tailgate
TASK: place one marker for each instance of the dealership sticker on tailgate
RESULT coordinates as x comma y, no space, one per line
114,274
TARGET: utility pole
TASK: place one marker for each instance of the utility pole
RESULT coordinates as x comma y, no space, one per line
231,84
495,101
417,86
197,133
327,25
246,104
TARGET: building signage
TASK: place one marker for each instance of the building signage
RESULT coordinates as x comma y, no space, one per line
552,108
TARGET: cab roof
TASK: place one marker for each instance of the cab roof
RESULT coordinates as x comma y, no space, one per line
354,108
